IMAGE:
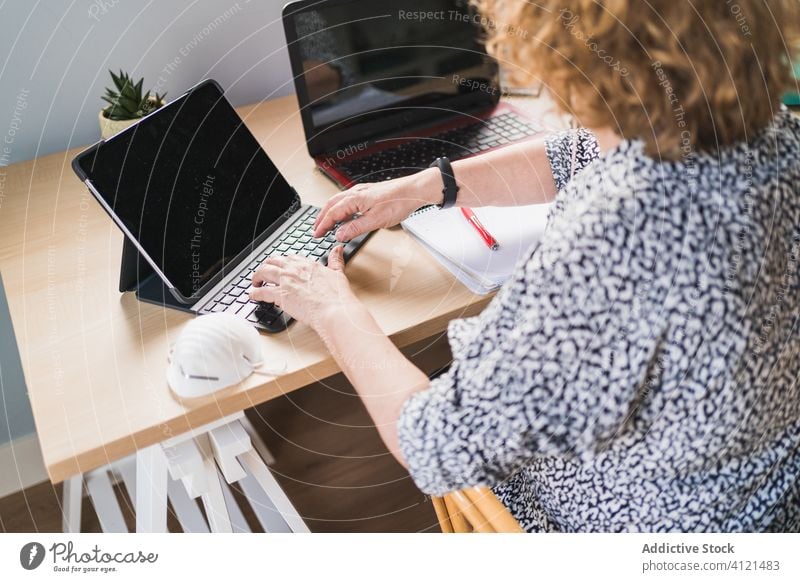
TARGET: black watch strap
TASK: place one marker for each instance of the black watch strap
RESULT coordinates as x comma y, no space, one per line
450,190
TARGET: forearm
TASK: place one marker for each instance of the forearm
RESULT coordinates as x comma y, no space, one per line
512,176
382,376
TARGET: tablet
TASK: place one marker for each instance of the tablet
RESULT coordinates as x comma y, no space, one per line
191,187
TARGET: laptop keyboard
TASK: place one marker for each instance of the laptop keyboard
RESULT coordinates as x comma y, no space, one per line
413,156
297,240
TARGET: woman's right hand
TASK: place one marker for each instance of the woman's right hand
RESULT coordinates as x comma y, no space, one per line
378,205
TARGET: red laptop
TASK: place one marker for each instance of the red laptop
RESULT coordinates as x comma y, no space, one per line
387,87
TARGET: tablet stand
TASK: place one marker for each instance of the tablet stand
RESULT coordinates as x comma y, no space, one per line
136,274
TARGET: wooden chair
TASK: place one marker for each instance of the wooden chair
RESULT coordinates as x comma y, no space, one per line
474,510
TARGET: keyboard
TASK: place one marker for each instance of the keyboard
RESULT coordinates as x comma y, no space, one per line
413,156
297,240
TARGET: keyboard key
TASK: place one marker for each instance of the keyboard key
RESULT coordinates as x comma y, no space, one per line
411,157
233,308
227,300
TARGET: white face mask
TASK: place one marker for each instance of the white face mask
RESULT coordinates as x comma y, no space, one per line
213,352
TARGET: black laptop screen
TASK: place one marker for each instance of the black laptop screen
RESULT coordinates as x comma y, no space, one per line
191,184
365,67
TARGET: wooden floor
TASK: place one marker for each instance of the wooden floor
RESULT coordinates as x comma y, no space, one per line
330,461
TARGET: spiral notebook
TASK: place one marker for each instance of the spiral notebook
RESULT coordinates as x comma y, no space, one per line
448,236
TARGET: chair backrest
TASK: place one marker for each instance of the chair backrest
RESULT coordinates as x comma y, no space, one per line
474,510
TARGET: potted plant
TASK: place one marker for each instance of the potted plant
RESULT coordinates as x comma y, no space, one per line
126,104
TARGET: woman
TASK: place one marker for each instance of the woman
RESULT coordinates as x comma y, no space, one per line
639,369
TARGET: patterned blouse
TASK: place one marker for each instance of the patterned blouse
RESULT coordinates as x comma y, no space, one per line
639,371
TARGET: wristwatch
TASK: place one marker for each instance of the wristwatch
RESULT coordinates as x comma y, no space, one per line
450,189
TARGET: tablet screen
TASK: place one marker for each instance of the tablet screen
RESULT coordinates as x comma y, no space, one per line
192,185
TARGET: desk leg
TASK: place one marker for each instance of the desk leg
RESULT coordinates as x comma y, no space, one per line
186,510
238,522
219,520
73,498
101,491
255,466
268,516
151,490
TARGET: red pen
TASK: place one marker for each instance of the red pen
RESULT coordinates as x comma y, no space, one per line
476,224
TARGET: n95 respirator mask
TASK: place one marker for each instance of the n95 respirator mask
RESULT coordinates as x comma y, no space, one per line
213,352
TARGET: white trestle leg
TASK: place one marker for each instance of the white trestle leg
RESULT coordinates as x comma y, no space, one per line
201,464
73,498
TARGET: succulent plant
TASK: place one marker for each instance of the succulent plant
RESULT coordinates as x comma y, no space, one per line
128,102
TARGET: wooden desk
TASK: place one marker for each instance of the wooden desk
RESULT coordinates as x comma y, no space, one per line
95,360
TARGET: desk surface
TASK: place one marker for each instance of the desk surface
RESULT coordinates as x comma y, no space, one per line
95,360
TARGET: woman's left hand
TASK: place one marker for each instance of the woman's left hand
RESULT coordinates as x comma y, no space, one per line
305,289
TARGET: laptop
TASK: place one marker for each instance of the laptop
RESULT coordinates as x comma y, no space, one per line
203,205
387,87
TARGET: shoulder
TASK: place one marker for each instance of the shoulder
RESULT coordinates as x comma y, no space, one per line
609,238
606,202
780,141
569,152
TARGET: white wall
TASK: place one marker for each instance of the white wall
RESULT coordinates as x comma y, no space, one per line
55,56
16,418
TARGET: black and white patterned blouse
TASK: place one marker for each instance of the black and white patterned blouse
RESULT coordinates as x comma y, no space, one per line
639,371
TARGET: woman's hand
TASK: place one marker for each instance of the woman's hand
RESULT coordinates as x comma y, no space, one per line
321,297
378,205
305,289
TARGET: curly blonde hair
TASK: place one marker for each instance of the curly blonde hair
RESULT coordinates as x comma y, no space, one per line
681,75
